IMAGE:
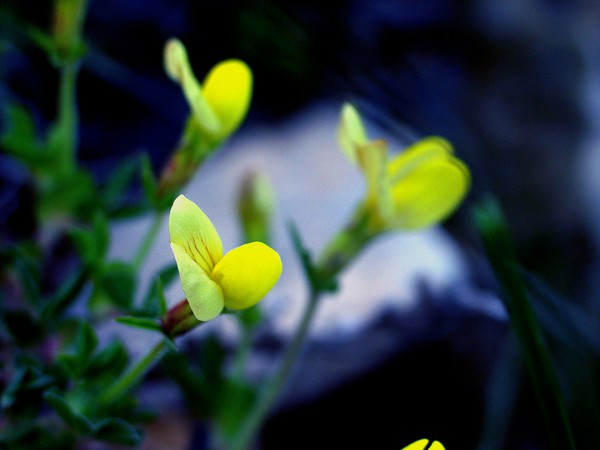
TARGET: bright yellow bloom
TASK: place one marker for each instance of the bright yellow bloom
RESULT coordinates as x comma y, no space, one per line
221,103
211,281
421,444
417,188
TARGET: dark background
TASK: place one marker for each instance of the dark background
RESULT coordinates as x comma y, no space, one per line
505,82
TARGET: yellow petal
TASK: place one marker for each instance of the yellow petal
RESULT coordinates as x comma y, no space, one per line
228,90
203,294
351,131
421,444
191,229
247,273
178,68
417,154
371,158
429,192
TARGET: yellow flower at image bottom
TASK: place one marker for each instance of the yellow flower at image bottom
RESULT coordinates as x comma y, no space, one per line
213,281
422,444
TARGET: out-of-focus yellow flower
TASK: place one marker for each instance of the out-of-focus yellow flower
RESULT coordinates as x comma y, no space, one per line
211,281
218,107
415,189
221,102
421,444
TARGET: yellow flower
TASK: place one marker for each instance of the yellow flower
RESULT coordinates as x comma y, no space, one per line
211,281
417,188
421,444
221,103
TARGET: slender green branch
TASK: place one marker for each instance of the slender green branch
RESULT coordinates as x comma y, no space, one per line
148,240
258,413
130,379
67,114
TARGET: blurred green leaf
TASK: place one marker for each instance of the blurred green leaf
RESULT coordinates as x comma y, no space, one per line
114,192
111,360
86,341
317,281
149,182
118,431
66,294
65,410
235,399
92,241
9,394
154,302
499,249
114,287
20,137
139,322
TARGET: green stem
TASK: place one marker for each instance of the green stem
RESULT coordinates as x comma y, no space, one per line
67,122
148,241
257,415
130,379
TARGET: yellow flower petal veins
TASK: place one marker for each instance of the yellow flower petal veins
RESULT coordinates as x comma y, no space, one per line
247,273
228,90
203,294
193,231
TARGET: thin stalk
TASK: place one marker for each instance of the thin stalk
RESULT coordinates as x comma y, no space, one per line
257,415
148,240
67,121
132,377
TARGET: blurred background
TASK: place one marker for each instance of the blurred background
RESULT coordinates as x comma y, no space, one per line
514,85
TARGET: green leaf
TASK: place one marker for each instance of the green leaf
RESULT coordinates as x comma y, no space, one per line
112,359
149,182
92,241
317,281
499,249
86,342
118,431
139,322
65,410
20,137
114,192
115,286
66,294
235,400
9,394
154,302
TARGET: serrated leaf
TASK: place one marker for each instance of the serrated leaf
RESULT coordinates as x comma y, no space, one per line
71,417
118,431
139,322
